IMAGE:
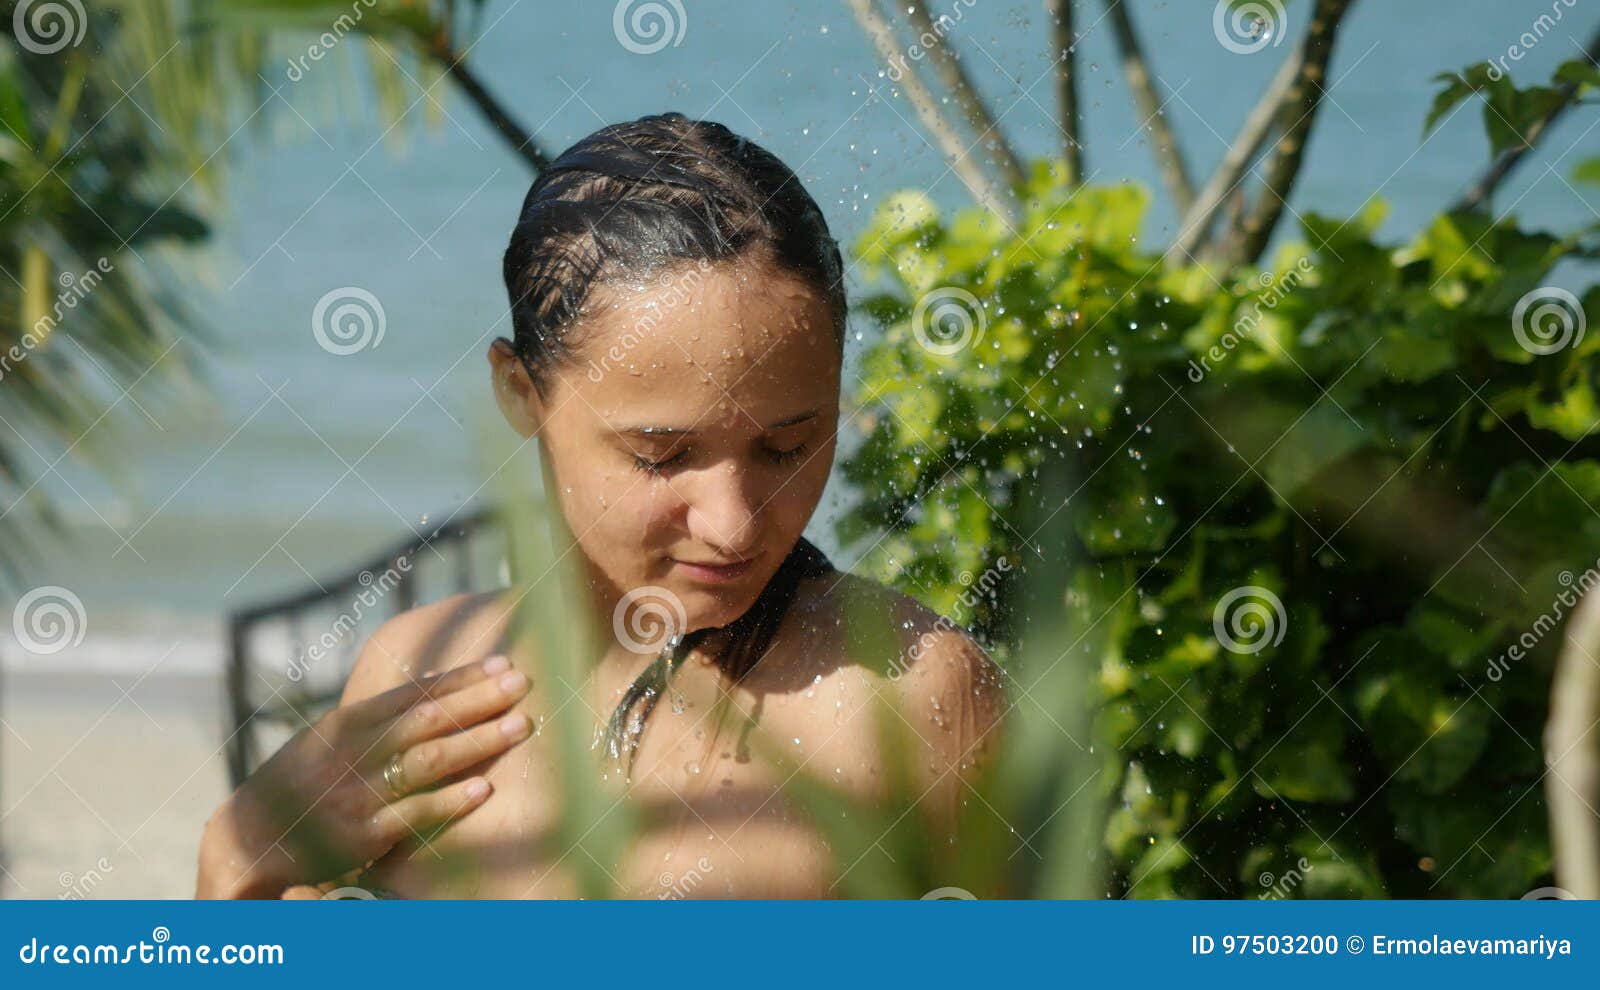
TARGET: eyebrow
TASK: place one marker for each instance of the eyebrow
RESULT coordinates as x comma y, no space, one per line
668,431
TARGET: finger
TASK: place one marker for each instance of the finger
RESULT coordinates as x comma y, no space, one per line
454,712
302,893
383,707
429,762
425,814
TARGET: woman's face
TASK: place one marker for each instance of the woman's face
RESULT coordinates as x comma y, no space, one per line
691,437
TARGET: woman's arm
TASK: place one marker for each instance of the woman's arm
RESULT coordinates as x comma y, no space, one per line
324,803
231,868
953,699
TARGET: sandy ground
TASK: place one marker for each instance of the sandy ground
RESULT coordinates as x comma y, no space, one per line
106,781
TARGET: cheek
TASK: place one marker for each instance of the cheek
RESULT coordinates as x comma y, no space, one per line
589,493
618,516
792,505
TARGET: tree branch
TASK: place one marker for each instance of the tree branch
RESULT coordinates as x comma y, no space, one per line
1248,239
1231,170
1572,787
1067,87
1147,97
954,76
922,101
439,47
1479,192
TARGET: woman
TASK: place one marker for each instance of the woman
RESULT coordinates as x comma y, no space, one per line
678,322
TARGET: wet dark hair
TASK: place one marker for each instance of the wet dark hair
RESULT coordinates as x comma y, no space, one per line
634,200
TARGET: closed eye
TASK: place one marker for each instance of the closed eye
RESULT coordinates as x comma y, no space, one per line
660,467
648,466
787,456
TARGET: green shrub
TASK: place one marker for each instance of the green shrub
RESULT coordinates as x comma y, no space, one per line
1344,465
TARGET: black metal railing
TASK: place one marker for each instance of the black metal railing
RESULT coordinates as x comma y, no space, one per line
284,682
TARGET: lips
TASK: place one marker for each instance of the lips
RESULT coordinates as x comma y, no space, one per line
713,573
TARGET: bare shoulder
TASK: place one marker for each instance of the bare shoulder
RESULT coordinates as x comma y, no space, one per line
939,673
429,639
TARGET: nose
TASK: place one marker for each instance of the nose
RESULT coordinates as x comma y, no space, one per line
723,514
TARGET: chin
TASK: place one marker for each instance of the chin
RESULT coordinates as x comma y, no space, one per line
713,609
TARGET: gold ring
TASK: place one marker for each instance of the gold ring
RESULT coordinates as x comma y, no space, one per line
394,774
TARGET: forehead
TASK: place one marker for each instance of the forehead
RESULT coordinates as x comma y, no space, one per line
725,341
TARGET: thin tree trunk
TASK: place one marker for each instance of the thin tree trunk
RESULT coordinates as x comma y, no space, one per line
877,29
1147,97
1242,151
1479,192
1572,753
1067,87
1298,115
499,117
954,76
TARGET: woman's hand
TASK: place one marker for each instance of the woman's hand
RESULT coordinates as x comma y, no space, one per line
324,804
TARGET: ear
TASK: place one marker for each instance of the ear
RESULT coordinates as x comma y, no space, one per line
514,390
